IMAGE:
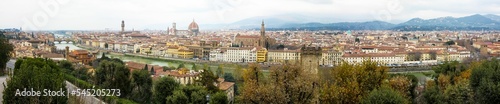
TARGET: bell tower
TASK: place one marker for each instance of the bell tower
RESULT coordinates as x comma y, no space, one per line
263,38
123,26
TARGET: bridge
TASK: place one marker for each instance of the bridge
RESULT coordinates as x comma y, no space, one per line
66,39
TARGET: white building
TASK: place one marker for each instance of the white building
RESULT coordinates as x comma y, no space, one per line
240,54
384,58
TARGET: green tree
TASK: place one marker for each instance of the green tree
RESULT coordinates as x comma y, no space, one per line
460,93
208,79
145,67
179,97
195,68
451,42
141,86
113,75
384,95
218,98
164,87
238,73
106,45
38,75
188,95
67,66
181,66
485,82
220,71
5,52
152,71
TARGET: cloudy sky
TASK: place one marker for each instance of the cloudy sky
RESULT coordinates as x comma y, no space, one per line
159,14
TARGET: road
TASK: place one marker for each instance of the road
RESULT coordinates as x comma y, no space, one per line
3,79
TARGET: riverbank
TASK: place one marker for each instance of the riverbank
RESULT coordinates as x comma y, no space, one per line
169,62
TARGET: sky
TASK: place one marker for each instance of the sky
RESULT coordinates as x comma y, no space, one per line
160,14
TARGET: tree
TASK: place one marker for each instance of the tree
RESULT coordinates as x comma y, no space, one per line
238,72
194,67
220,71
485,82
188,95
384,95
5,52
145,67
357,40
181,66
106,45
152,71
401,84
38,75
253,79
163,87
352,81
208,79
460,93
291,84
179,97
451,42
141,84
113,75
414,56
219,98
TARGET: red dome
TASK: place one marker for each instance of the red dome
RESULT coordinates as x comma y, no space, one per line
193,26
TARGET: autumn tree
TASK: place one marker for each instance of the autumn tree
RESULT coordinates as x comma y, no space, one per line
352,81
291,84
401,84
251,91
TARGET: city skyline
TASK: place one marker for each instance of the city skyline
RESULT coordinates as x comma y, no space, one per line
158,15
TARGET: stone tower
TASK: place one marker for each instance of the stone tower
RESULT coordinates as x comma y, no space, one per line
309,58
66,53
263,38
123,26
174,29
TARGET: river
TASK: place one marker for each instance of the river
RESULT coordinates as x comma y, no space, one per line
137,59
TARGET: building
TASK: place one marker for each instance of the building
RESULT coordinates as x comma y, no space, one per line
282,56
254,41
193,29
247,54
309,58
261,54
228,88
384,58
80,56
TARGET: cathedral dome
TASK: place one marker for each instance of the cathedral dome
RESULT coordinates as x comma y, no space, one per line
193,26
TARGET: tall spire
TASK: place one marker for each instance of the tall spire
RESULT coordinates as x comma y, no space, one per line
262,29
123,26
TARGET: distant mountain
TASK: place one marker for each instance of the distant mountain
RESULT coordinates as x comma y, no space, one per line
372,25
298,22
493,17
473,22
